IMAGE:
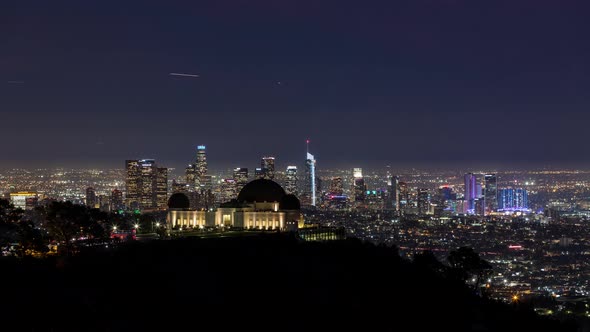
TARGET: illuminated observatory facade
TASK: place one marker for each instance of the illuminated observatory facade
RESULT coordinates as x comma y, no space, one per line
261,204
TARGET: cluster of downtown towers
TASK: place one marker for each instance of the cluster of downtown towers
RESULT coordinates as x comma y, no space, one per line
147,184
147,189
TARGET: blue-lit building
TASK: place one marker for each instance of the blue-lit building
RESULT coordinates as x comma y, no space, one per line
309,197
511,199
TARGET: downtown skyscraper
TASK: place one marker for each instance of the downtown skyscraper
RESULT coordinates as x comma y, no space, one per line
291,180
393,193
196,173
90,197
358,185
267,167
470,192
240,177
146,185
491,193
310,188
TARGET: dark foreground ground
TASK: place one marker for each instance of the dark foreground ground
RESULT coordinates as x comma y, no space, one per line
266,282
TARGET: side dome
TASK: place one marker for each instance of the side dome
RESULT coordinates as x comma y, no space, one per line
261,190
179,201
290,202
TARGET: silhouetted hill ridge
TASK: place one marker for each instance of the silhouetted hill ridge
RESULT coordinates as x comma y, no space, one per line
266,282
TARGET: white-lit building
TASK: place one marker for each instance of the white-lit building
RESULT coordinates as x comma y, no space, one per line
261,204
25,200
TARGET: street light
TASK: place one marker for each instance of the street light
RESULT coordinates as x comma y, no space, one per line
115,228
157,224
136,226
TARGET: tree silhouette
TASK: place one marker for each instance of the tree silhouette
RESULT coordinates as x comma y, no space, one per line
428,260
9,216
31,239
65,222
466,263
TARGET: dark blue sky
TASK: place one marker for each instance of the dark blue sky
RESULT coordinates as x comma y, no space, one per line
371,82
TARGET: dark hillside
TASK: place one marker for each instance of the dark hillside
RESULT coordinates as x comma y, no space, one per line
270,282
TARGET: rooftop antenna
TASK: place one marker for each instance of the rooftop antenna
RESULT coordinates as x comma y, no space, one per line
307,142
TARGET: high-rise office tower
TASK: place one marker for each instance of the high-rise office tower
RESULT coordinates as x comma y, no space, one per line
337,186
206,183
149,174
90,197
162,188
310,189
358,187
491,193
201,163
291,180
196,171
423,202
103,202
393,194
133,183
191,177
116,200
146,184
258,173
227,190
240,177
179,188
512,199
470,191
318,190
404,195
267,165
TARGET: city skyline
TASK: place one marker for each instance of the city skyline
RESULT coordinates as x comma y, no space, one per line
394,82
175,162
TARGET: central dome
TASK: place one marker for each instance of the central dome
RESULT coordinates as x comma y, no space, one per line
261,190
179,201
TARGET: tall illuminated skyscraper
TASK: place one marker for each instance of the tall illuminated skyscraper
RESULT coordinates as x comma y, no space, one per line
240,177
393,194
358,187
146,184
470,191
201,164
191,177
491,193
310,179
197,171
267,164
133,183
227,190
90,197
258,173
404,196
162,188
291,180
423,202
116,200
337,186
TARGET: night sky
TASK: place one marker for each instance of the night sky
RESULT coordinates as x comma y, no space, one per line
369,82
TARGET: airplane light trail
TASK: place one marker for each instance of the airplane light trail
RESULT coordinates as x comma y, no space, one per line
183,75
